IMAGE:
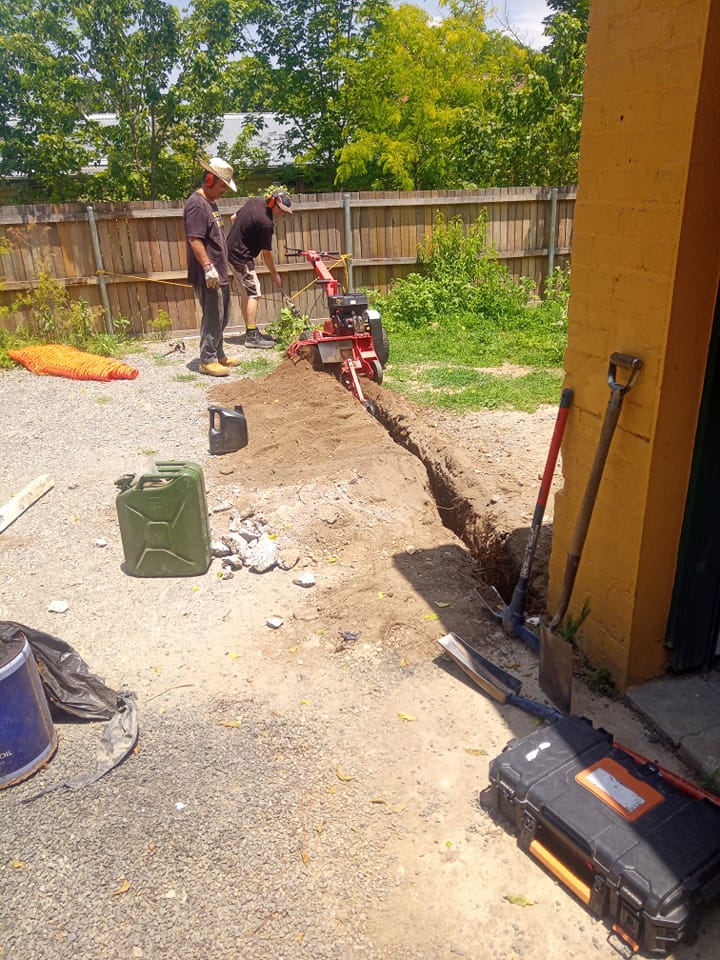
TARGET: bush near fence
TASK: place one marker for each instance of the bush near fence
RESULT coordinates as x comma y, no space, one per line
128,259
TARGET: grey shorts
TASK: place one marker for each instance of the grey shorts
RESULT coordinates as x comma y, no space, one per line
247,279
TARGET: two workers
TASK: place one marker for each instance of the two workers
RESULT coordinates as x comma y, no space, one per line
212,258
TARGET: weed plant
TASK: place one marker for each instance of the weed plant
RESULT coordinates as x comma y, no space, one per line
463,312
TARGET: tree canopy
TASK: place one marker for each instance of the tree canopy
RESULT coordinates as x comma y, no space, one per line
116,99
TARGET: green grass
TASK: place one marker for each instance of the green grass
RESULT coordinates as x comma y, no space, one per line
464,389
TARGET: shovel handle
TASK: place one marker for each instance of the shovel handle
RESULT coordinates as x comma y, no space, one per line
612,414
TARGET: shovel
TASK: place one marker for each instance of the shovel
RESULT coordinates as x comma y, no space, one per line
512,616
556,654
492,679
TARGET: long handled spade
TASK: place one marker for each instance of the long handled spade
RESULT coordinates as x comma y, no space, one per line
556,654
512,616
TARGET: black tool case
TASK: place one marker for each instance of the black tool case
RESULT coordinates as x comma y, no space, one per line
638,851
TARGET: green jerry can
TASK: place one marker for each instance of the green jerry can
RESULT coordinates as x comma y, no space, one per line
163,520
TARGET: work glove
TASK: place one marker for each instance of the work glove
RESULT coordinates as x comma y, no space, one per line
212,277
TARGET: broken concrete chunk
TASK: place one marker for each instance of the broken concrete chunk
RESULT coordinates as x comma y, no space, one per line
262,556
220,549
58,606
306,579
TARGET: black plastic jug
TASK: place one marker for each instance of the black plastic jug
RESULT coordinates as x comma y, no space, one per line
228,429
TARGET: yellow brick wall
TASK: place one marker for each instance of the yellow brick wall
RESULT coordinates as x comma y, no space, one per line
644,282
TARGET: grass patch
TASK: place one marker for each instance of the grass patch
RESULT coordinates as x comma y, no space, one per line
185,377
463,389
463,310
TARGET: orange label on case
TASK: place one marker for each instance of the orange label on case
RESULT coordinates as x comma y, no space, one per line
619,789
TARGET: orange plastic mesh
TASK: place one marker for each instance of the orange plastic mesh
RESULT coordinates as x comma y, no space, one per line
61,360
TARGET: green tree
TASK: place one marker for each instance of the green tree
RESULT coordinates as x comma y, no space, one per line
407,96
525,128
297,68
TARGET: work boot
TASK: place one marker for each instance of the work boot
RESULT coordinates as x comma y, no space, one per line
214,369
230,361
258,341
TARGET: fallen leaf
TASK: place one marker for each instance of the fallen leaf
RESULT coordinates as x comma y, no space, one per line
341,775
441,603
231,723
378,800
448,844
431,616
195,588
305,856
320,827
305,702
381,595
406,716
292,649
476,753
123,888
298,937
404,662
518,900
19,865
331,559
330,789
398,808
233,656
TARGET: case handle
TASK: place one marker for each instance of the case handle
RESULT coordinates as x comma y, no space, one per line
581,890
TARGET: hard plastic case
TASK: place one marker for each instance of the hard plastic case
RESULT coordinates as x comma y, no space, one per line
635,849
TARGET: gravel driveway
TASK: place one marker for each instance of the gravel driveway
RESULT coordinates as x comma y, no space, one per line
285,800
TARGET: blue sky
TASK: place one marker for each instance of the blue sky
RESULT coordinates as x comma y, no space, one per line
524,16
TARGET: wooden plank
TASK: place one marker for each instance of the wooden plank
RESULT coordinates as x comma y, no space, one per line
18,504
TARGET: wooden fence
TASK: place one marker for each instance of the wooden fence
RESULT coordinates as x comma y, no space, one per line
129,258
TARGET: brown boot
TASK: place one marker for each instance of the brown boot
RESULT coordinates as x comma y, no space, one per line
214,369
230,361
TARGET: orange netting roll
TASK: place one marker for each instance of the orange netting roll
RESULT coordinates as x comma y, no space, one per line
61,360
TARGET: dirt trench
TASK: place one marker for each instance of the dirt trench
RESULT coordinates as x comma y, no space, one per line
305,430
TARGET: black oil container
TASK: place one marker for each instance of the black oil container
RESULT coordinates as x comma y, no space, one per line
228,429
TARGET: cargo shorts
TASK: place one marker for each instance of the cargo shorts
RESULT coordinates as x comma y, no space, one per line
247,279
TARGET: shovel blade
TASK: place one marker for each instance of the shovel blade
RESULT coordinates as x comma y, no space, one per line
556,668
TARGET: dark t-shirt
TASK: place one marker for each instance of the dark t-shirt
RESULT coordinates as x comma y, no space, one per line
251,232
203,220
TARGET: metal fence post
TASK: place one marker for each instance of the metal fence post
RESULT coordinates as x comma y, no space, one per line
100,268
347,244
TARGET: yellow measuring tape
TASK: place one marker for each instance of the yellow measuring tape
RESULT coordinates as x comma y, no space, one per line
173,283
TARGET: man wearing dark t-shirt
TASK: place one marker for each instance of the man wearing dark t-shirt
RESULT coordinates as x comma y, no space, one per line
250,236
208,264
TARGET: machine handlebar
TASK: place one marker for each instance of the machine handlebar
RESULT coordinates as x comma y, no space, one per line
309,253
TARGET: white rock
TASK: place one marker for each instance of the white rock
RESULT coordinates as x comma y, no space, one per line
58,606
220,549
274,622
306,579
262,556
101,543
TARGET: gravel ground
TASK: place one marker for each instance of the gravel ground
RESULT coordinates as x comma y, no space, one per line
283,801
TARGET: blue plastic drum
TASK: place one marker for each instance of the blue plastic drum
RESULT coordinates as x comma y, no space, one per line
27,735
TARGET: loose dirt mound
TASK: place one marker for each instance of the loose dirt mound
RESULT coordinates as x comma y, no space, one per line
335,473
348,501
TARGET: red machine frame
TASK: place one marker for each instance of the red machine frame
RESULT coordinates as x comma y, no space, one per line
349,338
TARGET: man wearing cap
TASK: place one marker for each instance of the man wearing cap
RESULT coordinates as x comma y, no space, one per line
251,235
208,264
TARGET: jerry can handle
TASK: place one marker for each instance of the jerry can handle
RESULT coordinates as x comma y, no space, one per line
156,479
